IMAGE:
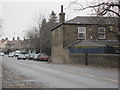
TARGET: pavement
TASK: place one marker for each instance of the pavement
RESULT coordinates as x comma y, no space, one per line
13,80
0,72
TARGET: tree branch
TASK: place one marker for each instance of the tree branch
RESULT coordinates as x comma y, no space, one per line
105,8
93,6
113,12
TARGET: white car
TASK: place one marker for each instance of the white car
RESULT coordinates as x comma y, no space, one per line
17,52
2,54
11,55
21,56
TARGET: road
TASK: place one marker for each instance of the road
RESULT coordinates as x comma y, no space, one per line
35,74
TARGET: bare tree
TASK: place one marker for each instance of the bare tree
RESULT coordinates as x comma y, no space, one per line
100,7
32,36
46,33
40,34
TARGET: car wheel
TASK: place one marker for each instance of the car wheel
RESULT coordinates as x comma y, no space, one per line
39,59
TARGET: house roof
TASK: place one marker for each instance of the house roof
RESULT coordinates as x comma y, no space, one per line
94,20
88,43
2,42
82,20
98,43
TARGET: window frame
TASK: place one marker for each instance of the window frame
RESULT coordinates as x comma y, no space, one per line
82,32
102,32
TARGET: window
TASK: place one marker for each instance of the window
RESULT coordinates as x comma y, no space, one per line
81,32
101,33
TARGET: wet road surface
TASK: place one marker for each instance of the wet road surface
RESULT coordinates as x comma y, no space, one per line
35,74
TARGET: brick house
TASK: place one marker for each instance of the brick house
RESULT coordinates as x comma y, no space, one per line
71,32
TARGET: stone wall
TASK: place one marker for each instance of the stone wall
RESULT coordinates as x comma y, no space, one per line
57,54
57,46
102,60
70,33
105,60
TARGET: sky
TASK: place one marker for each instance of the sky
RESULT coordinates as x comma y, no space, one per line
20,15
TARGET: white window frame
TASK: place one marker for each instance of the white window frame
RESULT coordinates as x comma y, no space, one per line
102,32
81,30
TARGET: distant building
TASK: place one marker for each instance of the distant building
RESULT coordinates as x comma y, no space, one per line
12,45
3,44
9,45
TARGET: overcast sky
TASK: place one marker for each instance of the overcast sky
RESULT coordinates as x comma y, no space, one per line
19,15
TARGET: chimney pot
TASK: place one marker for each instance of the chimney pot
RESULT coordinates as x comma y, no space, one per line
61,8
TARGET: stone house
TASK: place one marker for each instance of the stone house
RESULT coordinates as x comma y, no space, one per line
17,45
9,45
13,45
81,28
3,44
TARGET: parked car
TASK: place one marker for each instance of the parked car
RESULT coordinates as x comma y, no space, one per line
11,55
31,56
21,56
36,57
43,57
2,54
27,56
17,52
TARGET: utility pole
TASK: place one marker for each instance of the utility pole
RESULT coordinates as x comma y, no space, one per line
40,37
119,41
119,25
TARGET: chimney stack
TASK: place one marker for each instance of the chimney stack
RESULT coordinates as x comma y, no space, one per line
62,15
6,38
13,39
18,38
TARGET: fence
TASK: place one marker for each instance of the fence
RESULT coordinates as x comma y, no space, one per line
100,50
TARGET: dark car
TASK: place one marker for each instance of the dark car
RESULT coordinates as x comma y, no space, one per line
43,57
21,56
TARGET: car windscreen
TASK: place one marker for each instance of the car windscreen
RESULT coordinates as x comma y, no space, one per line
43,55
21,55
